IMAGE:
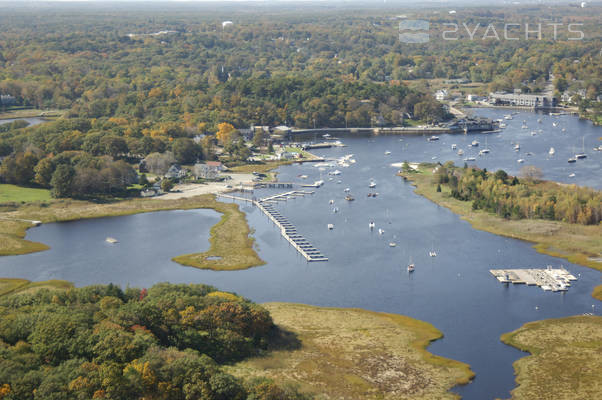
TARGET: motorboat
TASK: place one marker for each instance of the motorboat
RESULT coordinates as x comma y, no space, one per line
387,152
433,253
349,198
572,175
572,160
371,225
460,152
335,172
454,146
517,147
432,138
372,185
381,231
111,240
520,161
331,201
347,190
475,143
392,244
502,125
508,116
330,227
469,159
552,151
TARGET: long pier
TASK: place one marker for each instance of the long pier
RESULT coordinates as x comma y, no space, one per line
554,279
287,230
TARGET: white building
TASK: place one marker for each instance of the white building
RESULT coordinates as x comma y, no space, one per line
441,94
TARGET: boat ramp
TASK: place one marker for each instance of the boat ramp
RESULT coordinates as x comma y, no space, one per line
555,280
287,230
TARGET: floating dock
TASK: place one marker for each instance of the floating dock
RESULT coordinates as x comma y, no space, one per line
287,230
549,279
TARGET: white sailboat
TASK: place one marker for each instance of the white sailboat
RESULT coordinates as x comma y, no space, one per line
582,154
552,151
411,266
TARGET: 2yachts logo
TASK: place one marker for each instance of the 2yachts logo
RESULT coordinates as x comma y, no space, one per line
417,31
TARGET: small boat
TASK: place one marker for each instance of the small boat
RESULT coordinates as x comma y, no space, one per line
111,240
381,231
330,227
508,116
387,152
469,159
529,153
572,175
503,125
372,185
392,244
517,147
335,172
432,138
572,160
326,136
533,133
331,201
554,123
433,253
520,161
303,176
539,120
411,266
563,130
335,210
525,125
349,198
454,146
371,225
581,155
347,190
339,182
460,152
475,143
552,151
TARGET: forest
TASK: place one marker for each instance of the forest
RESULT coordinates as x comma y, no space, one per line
130,82
102,342
526,198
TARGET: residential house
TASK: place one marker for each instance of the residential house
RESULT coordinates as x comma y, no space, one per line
208,170
175,172
441,94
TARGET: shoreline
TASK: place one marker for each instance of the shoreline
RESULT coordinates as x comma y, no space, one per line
554,238
230,239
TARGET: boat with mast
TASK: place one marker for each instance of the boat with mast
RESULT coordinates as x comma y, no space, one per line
582,154
411,266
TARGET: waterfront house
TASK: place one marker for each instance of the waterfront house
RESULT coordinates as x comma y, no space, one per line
522,100
175,172
208,170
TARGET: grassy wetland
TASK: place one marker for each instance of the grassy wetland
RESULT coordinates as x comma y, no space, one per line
352,353
231,246
565,358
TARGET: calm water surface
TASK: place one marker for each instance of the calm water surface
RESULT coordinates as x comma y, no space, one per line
32,121
454,290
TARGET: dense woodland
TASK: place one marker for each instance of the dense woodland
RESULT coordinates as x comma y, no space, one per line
101,342
138,81
527,197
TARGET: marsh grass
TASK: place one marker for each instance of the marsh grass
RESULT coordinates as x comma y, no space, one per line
565,360
352,353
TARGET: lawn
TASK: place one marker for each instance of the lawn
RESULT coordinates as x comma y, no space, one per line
352,354
18,194
565,360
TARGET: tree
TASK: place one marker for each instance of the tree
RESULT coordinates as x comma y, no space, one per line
62,181
43,172
531,172
158,163
166,185
226,132
186,151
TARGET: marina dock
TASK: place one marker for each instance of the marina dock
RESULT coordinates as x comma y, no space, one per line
548,279
287,230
